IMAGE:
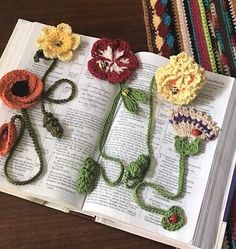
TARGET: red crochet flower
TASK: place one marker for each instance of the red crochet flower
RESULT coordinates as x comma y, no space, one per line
7,137
20,89
112,60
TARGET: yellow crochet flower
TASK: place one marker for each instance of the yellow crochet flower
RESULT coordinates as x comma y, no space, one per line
180,81
58,42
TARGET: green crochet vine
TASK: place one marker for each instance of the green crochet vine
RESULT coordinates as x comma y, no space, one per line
51,123
137,169
185,149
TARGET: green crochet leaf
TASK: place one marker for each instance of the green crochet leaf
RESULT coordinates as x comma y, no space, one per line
88,177
192,148
138,95
136,170
180,144
130,104
183,146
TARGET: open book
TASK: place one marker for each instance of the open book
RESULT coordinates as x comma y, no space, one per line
208,175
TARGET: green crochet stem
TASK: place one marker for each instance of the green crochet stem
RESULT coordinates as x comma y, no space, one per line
185,149
137,169
104,134
25,120
90,169
49,121
173,218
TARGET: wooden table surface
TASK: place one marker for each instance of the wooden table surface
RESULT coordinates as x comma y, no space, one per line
25,225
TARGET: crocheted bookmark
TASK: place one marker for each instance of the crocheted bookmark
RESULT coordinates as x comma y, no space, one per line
20,89
188,124
107,57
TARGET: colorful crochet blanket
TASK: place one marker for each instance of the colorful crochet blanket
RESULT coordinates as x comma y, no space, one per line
206,30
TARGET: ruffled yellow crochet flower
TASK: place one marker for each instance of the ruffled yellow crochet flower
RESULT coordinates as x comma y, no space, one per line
58,42
180,81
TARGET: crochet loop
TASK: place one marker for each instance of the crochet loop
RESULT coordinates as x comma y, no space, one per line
173,218
54,86
51,123
25,121
39,55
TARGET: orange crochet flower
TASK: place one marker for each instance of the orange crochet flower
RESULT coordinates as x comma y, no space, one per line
20,89
7,137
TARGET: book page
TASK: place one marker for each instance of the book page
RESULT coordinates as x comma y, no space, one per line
82,121
127,140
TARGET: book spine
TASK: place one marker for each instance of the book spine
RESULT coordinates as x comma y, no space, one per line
230,196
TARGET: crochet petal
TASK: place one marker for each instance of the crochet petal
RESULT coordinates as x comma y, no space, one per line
63,27
99,46
48,29
114,77
75,41
66,56
50,54
7,137
121,46
130,61
94,69
40,43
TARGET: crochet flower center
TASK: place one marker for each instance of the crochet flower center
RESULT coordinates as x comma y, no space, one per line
58,43
173,219
112,61
20,88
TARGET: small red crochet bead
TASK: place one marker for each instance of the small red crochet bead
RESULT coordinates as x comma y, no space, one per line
173,219
8,135
196,132
20,89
